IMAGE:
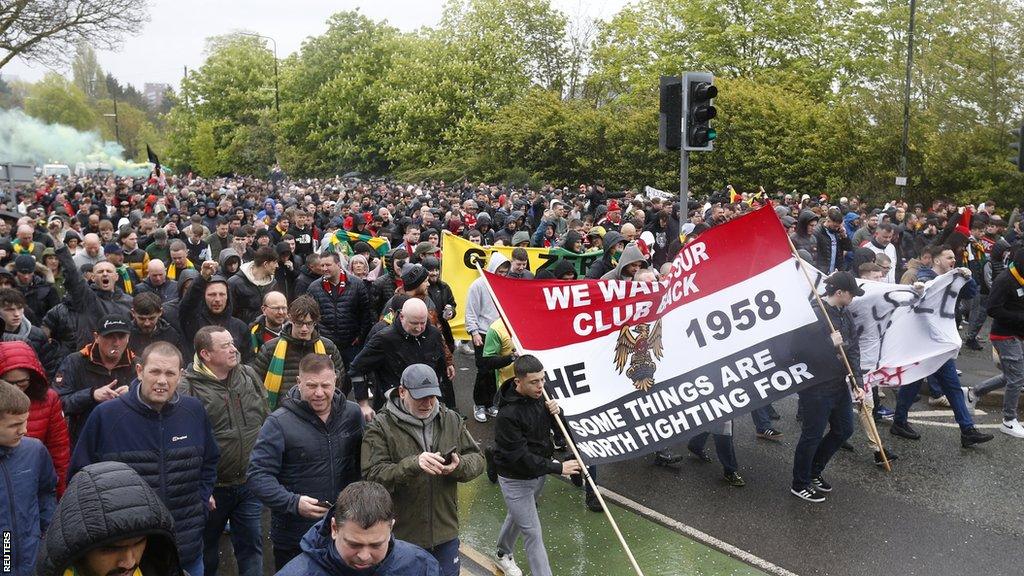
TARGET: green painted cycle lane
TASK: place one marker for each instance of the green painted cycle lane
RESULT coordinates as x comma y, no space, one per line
582,543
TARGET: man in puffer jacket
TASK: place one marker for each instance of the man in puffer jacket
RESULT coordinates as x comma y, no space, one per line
346,315
20,366
364,513
306,453
108,505
166,438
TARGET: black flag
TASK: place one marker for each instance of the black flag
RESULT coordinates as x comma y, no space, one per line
153,159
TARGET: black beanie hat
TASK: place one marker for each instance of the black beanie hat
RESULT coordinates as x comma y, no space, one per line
413,275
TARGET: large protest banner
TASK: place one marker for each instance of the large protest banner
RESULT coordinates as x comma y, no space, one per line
458,268
906,336
637,366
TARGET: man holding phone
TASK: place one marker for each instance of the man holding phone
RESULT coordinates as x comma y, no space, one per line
420,450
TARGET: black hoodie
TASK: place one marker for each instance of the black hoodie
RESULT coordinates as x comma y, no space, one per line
197,314
108,502
522,436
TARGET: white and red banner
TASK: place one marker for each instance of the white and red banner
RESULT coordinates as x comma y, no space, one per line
906,336
637,366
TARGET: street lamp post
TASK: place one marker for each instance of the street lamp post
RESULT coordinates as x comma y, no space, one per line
117,126
277,94
906,100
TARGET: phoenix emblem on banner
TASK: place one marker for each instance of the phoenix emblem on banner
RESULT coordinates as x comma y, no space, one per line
640,347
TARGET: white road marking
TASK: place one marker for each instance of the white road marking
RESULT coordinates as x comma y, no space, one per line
949,424
695,534
938,413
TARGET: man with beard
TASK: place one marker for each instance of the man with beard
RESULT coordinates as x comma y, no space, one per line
207,302
148,324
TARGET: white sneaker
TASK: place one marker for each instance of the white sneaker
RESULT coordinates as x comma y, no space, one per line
1012,428
492,411
480,413
508,566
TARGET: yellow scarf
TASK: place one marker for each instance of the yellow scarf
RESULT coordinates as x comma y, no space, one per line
73,572
1016,274
275,372
19,249
172,270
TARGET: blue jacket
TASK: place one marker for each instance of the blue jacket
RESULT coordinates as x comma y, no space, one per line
969,290
298,454
174,451
320,557
28,496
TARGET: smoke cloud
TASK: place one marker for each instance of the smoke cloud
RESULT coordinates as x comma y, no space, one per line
27,140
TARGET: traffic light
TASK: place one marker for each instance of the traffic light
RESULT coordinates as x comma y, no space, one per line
698,91
1018,145
670,113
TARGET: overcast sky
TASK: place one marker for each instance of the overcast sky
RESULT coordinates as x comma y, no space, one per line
175,35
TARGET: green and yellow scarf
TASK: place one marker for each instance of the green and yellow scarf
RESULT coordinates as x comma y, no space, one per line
275,372
126,279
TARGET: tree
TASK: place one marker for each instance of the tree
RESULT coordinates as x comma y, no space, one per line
204,150
87,74
54,100
46,31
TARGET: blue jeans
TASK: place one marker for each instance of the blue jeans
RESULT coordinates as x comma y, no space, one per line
238,504
948,381
724,449
447,555
762,419
831,407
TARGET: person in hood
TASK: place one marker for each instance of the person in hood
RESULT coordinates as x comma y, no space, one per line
355,539
613,244
383,288
483,225
665,228
509,230
166,438
480,313
572,242
804,237
523,453
306,453
230,262
415,425
207,301
109,522
253,281
20,366
630,262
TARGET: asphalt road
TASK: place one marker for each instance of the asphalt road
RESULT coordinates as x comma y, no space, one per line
943,510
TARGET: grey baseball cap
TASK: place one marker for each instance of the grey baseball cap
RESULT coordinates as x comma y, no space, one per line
421,381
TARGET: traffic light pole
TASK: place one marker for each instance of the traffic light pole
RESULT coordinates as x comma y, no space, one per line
684,183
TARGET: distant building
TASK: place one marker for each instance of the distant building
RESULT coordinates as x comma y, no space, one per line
153,92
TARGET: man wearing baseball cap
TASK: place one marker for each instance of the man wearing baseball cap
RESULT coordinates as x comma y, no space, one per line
100,371
829,404
420,450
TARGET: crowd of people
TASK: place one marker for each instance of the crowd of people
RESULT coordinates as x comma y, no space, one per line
180,353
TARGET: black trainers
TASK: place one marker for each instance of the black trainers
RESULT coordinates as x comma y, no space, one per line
821,485
666,458
770,434
809,494
734,479
973,344
848,447
973,436
593,504
702,456
492,471
888,454
903,430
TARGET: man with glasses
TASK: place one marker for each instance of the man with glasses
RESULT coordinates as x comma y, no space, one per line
270,323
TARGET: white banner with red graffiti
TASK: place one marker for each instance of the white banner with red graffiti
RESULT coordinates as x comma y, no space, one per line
638,366
906,336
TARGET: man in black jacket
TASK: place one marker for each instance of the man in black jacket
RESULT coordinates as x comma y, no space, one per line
109,522
833,244
829,404
306,453
148,325
344,301
442,296
207,301
523,458
1006,307
410,340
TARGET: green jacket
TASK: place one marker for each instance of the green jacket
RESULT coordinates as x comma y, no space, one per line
236,410
426,506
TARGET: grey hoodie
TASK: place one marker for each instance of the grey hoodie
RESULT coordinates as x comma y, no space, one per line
480,309
630,254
